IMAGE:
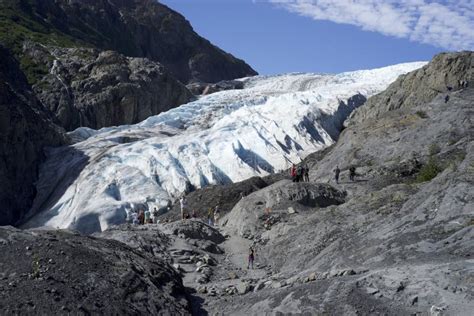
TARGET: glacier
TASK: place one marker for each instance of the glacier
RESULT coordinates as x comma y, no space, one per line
224,137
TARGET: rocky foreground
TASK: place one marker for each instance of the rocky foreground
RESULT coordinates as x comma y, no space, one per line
397,241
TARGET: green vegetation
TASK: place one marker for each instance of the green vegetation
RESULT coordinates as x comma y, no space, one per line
429,171
434,149
422,114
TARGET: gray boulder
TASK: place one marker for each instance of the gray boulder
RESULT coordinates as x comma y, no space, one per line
194,229
248,217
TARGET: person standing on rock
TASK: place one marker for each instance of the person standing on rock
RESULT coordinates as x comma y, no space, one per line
216,216
182,203
147,217
337,172
299,174
352,173
141,217
306,174
251,258
210,216
293,173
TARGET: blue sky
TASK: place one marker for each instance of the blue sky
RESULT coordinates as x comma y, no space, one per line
331,36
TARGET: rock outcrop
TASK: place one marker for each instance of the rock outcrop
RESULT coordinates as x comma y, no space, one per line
58,272
444,74
25,129
87,87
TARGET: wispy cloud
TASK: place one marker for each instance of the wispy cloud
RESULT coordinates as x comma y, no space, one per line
448,24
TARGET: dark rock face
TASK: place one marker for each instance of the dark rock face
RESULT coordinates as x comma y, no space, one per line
139,28
25,129
201,88
92,88
224,196
58,272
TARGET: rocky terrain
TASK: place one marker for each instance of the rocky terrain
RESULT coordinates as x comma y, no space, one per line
88,87
398,240
25,128
62,273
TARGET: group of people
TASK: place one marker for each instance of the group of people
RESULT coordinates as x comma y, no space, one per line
352,173
213,214
300,173
142,217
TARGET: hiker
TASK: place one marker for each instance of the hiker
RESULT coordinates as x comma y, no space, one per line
155,214
135,220
210,216
446,99
337,171
141,217
299,174
216,215
251,258
147,217
352,173
293,173
306,174
194,214
182,203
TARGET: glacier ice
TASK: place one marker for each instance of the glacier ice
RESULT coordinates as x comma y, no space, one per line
224,137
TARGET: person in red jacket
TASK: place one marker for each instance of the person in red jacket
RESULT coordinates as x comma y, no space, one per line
293,173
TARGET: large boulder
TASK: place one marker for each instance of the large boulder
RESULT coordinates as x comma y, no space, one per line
58,272
195,229
25,129
92,88
247,217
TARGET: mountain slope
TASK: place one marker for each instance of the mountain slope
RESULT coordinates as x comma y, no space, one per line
25,129
402,242
138,28
221,138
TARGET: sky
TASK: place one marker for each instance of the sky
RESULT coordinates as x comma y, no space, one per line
331,36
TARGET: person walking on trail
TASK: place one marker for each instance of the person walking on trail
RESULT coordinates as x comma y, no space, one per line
194,214
216,215
352,173
251,258
182,203
147,217
141,217
306,174
210,216
135,220
337,172
293,173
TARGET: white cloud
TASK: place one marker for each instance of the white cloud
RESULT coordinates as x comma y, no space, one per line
448,24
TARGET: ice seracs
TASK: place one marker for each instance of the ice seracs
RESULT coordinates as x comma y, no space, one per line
223,137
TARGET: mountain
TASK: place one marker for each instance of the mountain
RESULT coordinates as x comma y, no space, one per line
221,138
105,63
137,28
25,128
